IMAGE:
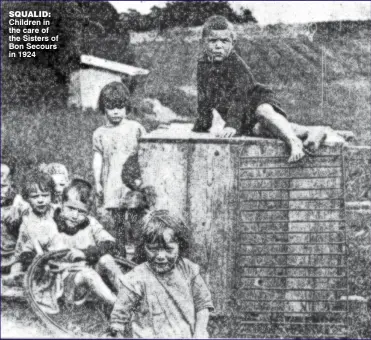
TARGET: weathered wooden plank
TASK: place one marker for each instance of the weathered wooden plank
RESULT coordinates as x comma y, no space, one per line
211,208
164,166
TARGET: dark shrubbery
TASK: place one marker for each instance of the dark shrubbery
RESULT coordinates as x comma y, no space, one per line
182,14
82,28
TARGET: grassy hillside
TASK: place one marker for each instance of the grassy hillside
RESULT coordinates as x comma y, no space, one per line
321,82
326,81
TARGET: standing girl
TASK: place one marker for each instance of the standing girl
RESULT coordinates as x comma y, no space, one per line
113,144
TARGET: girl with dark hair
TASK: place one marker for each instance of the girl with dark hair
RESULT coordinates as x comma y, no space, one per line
165,293
114,144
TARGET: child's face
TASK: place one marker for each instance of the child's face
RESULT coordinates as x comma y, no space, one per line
116,115
60,182
218,44
39,201
73,213
6,182
162,257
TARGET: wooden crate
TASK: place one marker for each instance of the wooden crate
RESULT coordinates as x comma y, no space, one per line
213,184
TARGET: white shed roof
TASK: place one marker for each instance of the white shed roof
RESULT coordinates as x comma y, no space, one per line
112,65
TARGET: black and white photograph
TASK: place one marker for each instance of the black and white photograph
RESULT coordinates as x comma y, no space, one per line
185,169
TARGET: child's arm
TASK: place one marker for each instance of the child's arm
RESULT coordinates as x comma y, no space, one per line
97,169
122,310
202,319
203,122
203,305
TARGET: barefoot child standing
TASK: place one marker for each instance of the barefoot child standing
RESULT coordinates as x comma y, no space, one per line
113,144
226,87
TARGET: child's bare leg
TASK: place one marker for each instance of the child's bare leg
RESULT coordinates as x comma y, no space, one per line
108,266
93,280
281,128
16,268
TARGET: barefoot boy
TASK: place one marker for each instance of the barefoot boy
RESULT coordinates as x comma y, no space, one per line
226,85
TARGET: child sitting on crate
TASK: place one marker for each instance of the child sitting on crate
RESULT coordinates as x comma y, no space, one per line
164,296
13,207
59,174
113,144
226,87
231,102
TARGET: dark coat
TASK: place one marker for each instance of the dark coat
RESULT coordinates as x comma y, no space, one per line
230,88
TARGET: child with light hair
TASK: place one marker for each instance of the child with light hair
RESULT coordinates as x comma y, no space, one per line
89,256
227,88
59,174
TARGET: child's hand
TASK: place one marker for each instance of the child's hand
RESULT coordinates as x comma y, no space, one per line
227,132
75,255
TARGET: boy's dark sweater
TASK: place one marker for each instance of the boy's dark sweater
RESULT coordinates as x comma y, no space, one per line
230,88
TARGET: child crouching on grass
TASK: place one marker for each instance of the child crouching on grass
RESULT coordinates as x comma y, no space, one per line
37,226
88,258
113,144
166,294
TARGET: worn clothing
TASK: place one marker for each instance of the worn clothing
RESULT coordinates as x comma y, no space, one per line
116,144
89,237
11,220
230,88
164,306
36,234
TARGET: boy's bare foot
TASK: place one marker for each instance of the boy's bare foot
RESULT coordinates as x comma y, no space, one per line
297,151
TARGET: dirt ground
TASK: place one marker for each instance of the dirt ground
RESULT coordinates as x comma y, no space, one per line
19,321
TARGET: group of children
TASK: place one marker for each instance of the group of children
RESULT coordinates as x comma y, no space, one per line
166,292
53,213
174,299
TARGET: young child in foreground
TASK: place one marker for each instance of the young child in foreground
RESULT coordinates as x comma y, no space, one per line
225,84
13,207
89,248
113,144
166,294
59,174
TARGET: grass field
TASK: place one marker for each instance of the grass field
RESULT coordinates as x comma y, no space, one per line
324,82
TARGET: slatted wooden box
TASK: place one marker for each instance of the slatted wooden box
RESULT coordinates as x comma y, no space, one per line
244,203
